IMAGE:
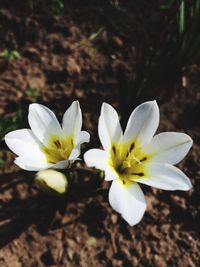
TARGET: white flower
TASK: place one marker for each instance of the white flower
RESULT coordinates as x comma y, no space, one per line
47,144
138,157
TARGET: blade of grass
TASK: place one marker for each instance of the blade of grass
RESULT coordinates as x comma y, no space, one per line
94,35
181,17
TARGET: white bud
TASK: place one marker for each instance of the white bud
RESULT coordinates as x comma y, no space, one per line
51,181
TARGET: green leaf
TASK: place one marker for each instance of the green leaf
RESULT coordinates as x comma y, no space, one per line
32,93
9,55
14,123
57,7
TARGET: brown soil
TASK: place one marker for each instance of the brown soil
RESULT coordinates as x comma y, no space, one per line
60,62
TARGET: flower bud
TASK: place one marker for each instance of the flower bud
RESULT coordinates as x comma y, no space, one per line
51,181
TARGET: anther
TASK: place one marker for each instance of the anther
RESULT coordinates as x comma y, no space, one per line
114,150
130,149
145,158
138,174
57,143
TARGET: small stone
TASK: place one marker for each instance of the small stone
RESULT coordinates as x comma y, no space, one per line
118,41
114,218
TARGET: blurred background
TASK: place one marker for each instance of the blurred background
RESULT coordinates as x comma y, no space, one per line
121,52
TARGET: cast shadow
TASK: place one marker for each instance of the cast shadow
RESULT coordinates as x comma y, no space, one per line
19,210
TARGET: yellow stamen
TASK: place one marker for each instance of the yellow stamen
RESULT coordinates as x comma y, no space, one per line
136,159
126,164
58,149
129,161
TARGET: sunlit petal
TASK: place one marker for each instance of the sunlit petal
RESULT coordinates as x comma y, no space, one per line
43,122
83,137
165,176
142,123
110,174
109,127
76,151
128,200
32,162
72,120
22,142
63,164
169,147
96,158
99,159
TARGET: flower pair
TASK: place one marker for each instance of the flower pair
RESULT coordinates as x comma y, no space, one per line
135,156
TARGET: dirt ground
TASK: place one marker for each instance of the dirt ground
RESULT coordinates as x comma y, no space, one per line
61,62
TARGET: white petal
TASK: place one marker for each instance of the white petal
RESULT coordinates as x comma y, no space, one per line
96,158
83,137
142,123
37,162
110,174
60,165
165,176
76,151
169,147
109,127
32,162
43,122
22,142
99,159
72,120
129,201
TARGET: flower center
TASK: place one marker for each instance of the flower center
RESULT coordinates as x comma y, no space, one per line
128,160
58,149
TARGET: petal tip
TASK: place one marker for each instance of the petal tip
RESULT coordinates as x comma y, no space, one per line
152,103
188,185
76,106
6,136
190,140
88,138
155,104
86,157
186,139
107,109
133,221
104,105
17,162
76,102
33,105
